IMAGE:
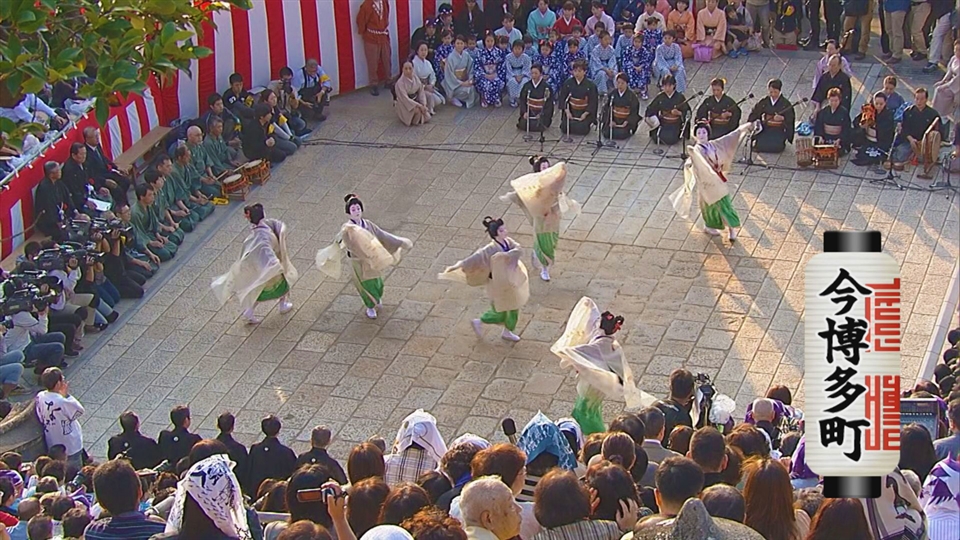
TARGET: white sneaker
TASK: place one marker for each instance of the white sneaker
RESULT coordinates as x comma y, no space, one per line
250,317
371,313
509,336
477,328
379,304
285,306
544,274
711,231
733,234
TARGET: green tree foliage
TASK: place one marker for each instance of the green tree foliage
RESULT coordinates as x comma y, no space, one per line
120,42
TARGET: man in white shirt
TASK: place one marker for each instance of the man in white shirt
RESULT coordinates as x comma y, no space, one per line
58,411
27,109
29,335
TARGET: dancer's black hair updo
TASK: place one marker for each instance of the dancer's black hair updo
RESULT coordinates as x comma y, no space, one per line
610,323
254,213
351,199
537,162
492,226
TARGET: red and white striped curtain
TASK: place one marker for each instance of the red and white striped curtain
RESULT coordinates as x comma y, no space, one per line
278,33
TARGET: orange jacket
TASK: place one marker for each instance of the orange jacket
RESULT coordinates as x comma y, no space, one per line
373,28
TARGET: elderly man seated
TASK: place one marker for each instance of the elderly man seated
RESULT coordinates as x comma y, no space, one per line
103,169
489,511
314,87
202,162
222,155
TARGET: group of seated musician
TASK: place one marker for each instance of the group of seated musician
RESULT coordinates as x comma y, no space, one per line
719,110
666,113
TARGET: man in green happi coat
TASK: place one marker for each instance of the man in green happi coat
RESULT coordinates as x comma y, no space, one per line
169,227
147,228
222,156
173,196
201,163
197,203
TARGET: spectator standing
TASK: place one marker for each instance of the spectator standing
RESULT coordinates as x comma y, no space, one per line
236,450
489,511
676,408
26,510
723,501
919,11
317,455
654,432
208,503
840,518
759,11
269,458
58,412
895,12
939,499
373,20
470,21
949,446
709,451
176,443
859,14
11,366
142,451
562,507
940,11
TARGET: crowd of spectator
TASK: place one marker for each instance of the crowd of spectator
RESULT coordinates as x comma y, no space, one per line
651,474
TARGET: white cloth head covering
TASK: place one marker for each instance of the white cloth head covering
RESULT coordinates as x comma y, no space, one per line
470,438
215,489
386,532
421,428
571,425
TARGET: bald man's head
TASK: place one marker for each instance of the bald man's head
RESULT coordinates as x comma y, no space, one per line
763,410
194,135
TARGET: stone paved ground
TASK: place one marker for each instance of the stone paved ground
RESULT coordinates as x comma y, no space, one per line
689,300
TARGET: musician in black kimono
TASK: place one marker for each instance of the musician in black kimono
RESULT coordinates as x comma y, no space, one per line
719,110
873,131
834,77
624,106
832,123
579,101
919,136
776,114
536,102
666,112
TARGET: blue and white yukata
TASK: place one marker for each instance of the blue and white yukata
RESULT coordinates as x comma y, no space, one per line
516,66
552,71
623,45
603,58
633,59
566,67
489,76
592,43
667,57
651,40
439,59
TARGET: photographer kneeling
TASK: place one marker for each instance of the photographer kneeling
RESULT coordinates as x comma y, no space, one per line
11,363
72,299
128,284
30,336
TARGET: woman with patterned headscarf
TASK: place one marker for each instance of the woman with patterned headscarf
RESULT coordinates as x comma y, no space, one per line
208,504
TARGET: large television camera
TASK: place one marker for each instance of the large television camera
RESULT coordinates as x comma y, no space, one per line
28,290
59,256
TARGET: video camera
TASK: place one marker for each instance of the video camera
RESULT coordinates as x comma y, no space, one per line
28,290
107,227
58,257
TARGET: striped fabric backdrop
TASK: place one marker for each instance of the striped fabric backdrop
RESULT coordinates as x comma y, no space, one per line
278,33
126,124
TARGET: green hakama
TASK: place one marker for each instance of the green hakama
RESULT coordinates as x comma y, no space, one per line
371,290
714,215
545,246
274,290
198,211
145,227
507,318
588,412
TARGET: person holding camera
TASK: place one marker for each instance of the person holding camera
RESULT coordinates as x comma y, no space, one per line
127,283
289,103
58,411
30,336
313,87
72,297
11,363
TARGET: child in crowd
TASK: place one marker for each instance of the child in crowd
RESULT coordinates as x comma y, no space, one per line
593,41
624,41
503,43
489,72
517,66
472,49
633,66
652,38
738,32
578,35
680,20
528,48
508,29
603,63
572,55
555,41
441,54
548,59
669,61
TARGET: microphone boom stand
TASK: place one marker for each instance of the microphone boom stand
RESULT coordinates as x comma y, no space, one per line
599,144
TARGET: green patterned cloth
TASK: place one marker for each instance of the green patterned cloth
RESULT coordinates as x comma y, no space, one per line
507,318
714,215
371,290
274,290
545,246
588,412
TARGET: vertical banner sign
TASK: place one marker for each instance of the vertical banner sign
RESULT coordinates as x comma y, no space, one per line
852,335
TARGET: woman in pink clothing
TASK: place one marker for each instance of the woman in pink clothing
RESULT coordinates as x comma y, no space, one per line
712,28
680,20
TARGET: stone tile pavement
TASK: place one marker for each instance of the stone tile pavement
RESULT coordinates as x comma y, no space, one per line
734,312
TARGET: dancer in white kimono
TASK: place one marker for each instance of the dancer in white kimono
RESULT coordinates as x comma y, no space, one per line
264,271
705,171
498,267
588,346
371,251
423,70
540,195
